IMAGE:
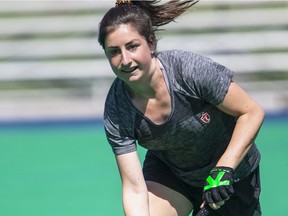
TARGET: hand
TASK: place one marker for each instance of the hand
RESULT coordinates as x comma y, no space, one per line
218,186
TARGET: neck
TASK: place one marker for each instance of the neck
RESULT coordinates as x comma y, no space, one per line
148,88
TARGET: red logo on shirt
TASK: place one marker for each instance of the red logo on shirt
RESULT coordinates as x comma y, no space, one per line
205,117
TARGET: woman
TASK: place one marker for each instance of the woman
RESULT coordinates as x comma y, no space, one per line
197,124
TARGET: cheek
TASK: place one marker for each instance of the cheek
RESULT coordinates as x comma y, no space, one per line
146,58
144,54
114,62
113,66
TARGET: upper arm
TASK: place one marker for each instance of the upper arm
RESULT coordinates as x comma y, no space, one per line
131,171
237,102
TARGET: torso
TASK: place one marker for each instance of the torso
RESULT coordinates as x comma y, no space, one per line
158,108
172,124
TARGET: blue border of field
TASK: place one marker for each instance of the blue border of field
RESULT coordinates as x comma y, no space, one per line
98,121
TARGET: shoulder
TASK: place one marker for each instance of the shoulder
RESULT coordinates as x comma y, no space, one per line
197,74
185,61
176,55
115,90
117,100
189,63
118,107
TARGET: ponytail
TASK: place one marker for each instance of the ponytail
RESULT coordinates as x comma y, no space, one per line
162,14
144,16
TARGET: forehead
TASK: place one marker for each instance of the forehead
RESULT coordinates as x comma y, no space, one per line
122,34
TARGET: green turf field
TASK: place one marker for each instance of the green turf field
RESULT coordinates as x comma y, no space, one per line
69,169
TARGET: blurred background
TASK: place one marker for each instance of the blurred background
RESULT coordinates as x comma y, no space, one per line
54,157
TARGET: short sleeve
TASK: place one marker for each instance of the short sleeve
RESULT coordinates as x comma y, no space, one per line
118,121
207,79
120,142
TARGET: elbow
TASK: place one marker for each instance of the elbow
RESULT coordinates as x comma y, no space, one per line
137,188
260,113
257,115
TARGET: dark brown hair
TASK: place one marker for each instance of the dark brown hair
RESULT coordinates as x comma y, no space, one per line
144,16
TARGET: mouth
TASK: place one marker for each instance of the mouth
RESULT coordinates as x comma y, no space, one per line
130,70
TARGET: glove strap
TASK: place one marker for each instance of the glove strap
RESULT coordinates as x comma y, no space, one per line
216,182
223,169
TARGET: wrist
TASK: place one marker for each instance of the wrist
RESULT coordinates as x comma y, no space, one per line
223,168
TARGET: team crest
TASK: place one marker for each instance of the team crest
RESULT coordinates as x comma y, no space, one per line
205,117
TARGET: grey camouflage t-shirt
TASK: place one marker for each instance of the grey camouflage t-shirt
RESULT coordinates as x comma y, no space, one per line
196,134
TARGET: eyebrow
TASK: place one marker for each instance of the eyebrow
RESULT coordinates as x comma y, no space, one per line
131,42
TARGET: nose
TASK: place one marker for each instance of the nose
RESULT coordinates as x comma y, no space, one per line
126,59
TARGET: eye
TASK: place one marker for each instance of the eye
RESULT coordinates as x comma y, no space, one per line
132,47
114,52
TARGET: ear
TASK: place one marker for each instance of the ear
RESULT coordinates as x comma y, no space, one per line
152,43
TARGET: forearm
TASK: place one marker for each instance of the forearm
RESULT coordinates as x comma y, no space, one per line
135,203
244,134
135,193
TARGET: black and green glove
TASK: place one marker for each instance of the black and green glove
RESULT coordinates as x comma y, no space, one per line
218,185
